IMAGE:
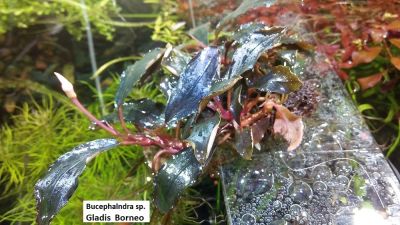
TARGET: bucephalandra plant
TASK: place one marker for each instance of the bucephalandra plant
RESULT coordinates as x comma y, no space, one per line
228,93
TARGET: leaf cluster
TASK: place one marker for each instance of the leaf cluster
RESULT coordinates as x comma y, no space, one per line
228,91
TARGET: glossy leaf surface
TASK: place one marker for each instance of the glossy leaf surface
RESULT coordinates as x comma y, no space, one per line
201,33
143,113
236,105
244,7
133,73
202,138
193,85
167,85
280,80
178,173
242,34
176,61
53,191
246,56
244,143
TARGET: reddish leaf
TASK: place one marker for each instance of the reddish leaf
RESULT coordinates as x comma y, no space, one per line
378,35
289,126
370,81
365,56
395,42
395,25
396,62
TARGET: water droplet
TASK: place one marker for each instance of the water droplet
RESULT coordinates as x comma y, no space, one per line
322,173
343,168
277,205
341,182
255,182
320,186
295,210
300,191
248,219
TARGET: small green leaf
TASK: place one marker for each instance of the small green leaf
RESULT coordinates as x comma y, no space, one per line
244,7
53,191
246,56
200,33
134,72
202,138
193,85
143,113
244,143
178,173
280,80
176,61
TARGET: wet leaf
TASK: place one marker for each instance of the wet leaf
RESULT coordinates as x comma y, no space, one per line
365,56
142,113
396,62
244,7
247,55
244,143
370,81
53,191
242,34
289,126
280,80
236,105
395,42
178,173
218,87
176,61
167,85
133,73
200,33
203,136
258,130
193,85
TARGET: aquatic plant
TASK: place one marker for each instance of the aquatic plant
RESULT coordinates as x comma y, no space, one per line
228,93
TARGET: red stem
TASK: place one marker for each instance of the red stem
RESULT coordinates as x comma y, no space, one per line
122,120
225,114
92,118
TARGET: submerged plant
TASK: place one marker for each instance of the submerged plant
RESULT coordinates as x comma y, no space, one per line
226,93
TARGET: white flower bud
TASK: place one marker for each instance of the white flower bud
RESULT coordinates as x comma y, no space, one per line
66,86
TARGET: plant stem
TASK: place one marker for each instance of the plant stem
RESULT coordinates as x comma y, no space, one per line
92,118
122,120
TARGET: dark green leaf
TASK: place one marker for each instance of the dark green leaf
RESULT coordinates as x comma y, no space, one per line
280,80
176,61
241,36
188,125
236,106
218,87
246,56
142,113
193,85
178,173
200,33
203,136
244,7
244,143
53,191
134,72
294,60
